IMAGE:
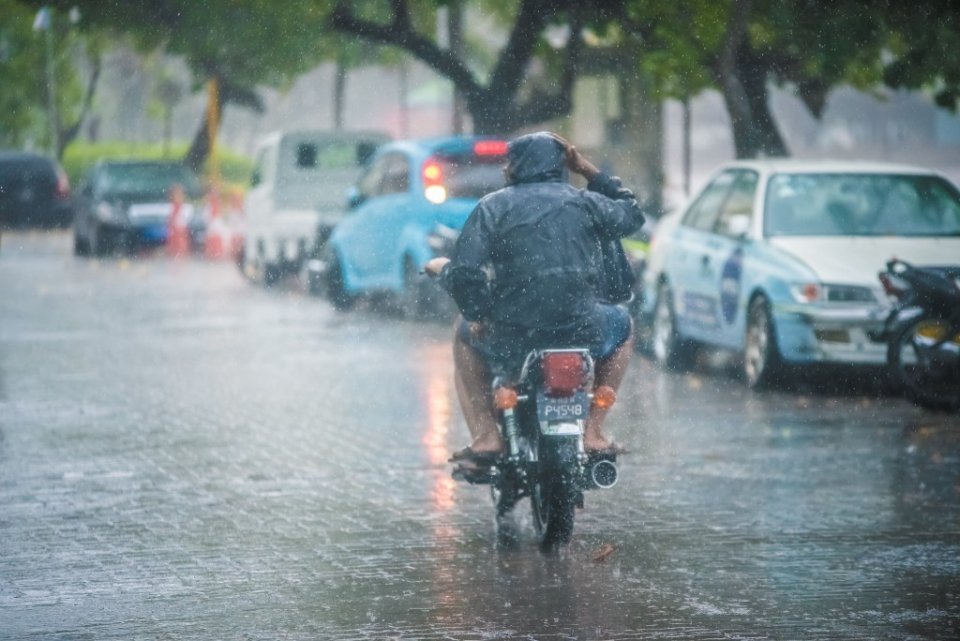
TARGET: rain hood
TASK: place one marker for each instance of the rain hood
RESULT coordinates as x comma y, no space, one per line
537,157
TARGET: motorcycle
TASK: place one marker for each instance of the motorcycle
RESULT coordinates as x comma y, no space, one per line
542,415
922,333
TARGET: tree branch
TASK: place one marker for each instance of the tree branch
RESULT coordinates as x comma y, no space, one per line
400,33
531,19
542,106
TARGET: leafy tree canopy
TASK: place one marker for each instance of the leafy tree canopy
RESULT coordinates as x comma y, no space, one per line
24,98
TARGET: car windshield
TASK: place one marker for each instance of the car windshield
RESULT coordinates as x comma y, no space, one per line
146,178
861,205
472,176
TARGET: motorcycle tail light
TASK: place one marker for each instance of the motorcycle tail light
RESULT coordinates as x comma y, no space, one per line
505,398
563,374
604,397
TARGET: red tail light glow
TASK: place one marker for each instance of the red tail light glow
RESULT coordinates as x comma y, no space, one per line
563,374
432,172
490,147
63,185
505,398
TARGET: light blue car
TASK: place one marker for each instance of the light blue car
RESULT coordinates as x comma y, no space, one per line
779,261
406,208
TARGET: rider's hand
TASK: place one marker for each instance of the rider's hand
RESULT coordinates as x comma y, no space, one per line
577,162
435,265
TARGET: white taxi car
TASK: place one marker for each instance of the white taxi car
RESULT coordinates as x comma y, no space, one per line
778,260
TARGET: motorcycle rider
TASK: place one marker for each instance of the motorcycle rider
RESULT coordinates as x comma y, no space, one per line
525,275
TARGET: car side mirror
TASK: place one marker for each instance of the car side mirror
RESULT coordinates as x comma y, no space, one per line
738,226
354,198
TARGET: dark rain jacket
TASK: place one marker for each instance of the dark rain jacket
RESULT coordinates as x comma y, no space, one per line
529,254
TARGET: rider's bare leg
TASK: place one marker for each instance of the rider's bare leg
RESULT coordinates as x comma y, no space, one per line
476,401
609,371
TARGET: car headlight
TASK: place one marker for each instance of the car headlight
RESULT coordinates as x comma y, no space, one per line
108,213
806,292
830,293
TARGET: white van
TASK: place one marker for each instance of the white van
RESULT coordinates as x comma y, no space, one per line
299,188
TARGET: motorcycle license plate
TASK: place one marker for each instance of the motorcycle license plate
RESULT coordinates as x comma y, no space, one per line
574,408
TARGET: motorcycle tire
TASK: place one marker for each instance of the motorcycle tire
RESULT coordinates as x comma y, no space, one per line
929,379
554,495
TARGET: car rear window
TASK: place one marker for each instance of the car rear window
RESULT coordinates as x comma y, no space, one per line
26,168
146,178
861,205
472,176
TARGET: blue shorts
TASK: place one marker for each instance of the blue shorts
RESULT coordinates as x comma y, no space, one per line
505,348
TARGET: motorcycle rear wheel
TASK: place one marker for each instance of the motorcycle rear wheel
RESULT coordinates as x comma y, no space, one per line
554,495
929,376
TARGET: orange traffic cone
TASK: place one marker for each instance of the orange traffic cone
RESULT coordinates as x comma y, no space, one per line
213,243
236,225
178,239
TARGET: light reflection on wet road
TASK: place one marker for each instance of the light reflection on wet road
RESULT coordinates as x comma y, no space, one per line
186,456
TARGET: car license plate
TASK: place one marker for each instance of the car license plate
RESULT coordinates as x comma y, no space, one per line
574,408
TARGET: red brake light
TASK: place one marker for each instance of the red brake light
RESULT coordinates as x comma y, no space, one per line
63,185
490,147
563,374
432,172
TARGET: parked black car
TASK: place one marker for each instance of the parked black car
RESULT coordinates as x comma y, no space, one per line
34,191
125,204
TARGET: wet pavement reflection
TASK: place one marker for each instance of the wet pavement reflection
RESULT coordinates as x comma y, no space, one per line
184,455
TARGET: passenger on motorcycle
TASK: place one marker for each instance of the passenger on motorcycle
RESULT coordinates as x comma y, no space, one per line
525,275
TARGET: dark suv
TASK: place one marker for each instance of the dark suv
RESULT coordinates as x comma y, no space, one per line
123,204
34,191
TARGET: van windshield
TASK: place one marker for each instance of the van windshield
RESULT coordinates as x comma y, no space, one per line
861,205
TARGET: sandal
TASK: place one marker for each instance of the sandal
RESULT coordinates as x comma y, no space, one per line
480,458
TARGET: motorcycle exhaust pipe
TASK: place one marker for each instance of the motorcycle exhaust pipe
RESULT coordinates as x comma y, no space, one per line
604,474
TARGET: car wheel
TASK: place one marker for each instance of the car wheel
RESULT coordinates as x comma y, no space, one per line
80,246
670,349
100,243
272,273
761,358
336,291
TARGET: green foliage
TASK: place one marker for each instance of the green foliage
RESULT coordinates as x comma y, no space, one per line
81,156
925,48
251,42
23,97
21,73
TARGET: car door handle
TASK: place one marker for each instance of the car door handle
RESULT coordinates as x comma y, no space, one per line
705,260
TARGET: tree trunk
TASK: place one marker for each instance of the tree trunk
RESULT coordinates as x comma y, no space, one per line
227,93
640,130
742,77
753,74
68,134
455,32
200,147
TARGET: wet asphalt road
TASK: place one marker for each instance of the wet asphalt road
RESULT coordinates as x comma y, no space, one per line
184,455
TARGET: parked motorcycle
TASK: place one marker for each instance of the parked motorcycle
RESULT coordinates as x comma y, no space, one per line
542,416
922,333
